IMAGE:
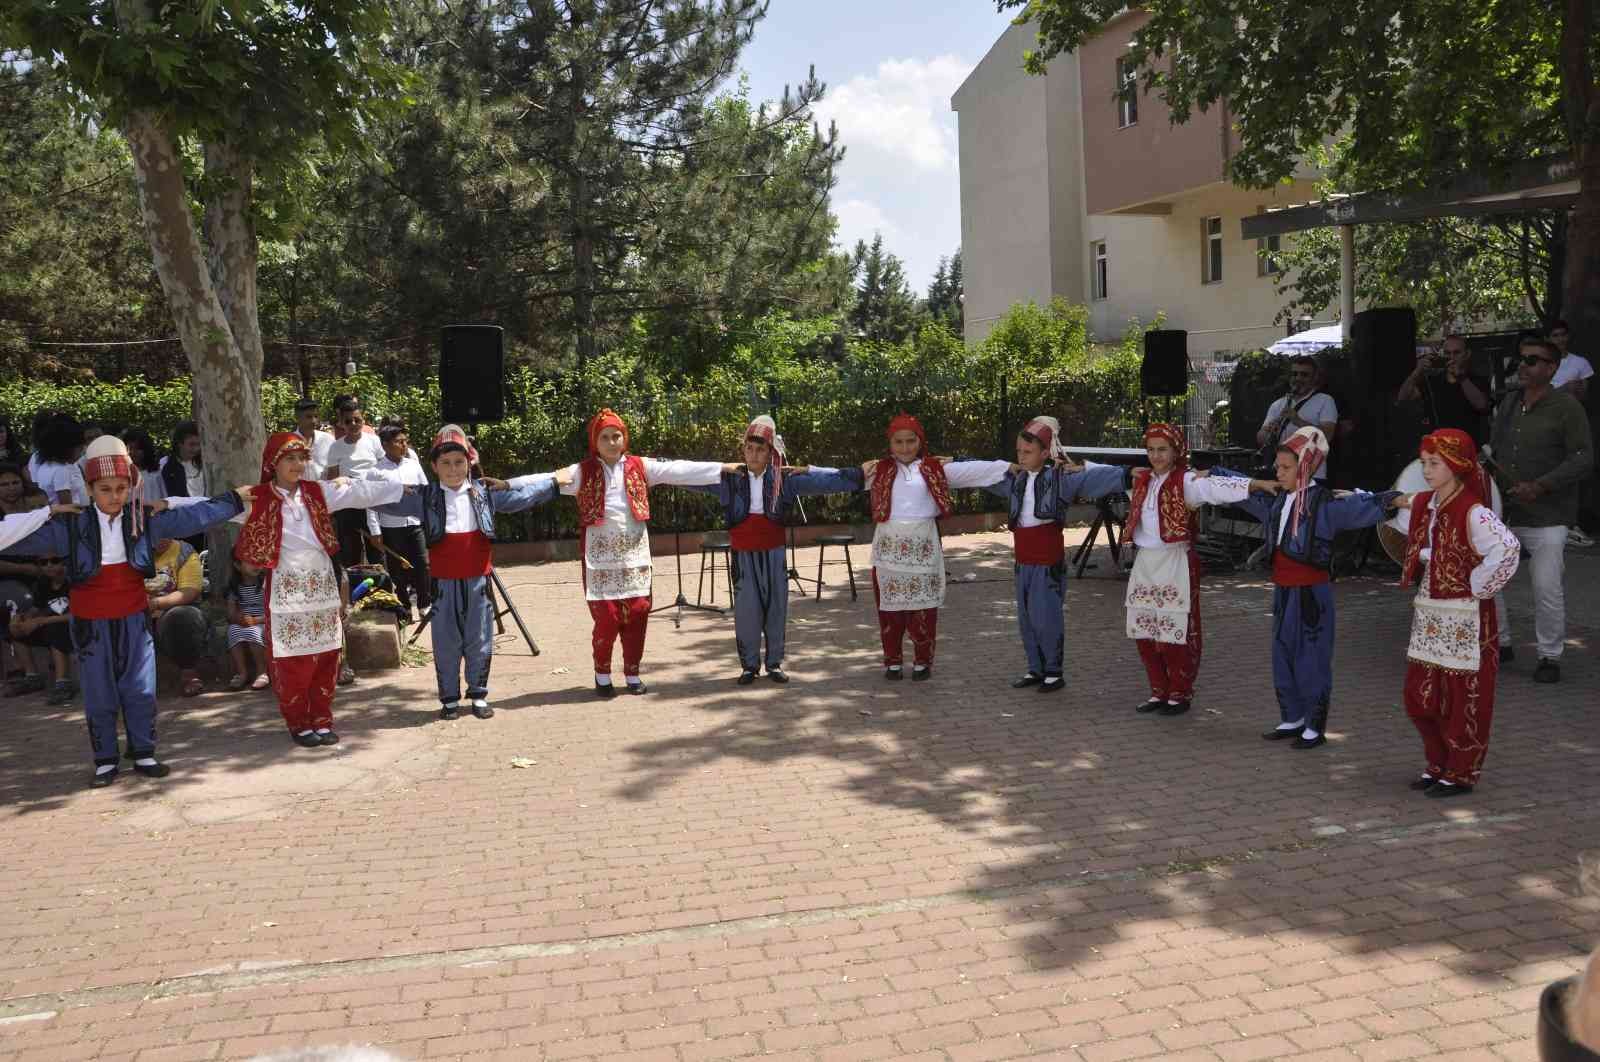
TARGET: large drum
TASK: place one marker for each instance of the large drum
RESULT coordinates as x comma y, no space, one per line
1392,532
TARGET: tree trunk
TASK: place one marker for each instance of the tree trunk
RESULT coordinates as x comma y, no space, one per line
1581,105
227,383
582,238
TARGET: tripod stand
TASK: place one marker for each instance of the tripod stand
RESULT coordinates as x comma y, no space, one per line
794,560
681,602
500,612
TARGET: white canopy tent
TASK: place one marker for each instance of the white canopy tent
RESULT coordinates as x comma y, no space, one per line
1310,341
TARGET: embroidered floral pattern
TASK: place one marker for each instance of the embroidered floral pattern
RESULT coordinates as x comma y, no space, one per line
909,564
1155,595
1496,578
613,584
303,605
1159,596
904,550
902,591
609,543
1446,634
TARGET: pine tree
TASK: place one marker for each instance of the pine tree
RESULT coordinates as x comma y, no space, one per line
884,309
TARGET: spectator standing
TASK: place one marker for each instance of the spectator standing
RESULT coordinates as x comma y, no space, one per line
1542,444
353,453
146,458
1304,406
1572,374
1452,396
182,473
307,421
56,472
402,535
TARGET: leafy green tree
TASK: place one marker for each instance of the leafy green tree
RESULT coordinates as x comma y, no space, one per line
884,309
944,294
1422,90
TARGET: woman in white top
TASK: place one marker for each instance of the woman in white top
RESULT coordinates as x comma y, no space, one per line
1163,597
910,490
56,472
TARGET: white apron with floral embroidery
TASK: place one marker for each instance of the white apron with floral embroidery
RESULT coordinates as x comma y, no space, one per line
1158,595
303,603
910,565
1445,632
616,559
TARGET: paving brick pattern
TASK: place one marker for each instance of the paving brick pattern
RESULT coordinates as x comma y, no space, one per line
837,869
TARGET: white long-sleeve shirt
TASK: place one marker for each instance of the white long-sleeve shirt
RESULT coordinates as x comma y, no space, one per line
1197,491
911,499
18,526
1491,539
408,472
298,534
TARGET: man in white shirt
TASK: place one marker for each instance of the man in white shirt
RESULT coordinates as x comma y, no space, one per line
1304,406
402,535
307,415
1572,374
352,454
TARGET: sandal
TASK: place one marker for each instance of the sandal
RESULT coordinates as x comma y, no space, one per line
261,682
193,688
236,683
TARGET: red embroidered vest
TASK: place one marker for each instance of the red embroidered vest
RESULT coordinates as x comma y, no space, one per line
1172,512
1453,558
887,472
262,536
592,490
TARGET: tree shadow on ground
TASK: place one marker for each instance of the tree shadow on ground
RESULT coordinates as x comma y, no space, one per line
1097,822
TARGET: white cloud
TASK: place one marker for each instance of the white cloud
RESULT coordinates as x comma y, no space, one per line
899,115
859,219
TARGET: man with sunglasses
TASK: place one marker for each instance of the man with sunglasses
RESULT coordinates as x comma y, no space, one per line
1542,445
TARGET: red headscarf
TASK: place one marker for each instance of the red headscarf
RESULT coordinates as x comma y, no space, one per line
883,476
604,419
1172,509
1460,454
262,537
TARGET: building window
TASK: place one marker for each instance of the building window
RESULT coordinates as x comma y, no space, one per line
1127,93
1267,264
1097,273
1211,250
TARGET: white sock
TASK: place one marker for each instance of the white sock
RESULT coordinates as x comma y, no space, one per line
145,761
1296,725
894,667
480,702
919,667
1426,777
324,730
1171,701
601,680
633,680
303,733
1051,680
105,768
1309,734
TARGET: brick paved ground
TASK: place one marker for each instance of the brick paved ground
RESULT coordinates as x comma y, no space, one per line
841,869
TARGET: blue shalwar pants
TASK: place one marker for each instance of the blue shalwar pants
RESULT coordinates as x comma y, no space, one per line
1302,652
1041,597
117,670
760,604
463,632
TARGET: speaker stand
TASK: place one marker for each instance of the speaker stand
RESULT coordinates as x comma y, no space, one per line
681,602
500,612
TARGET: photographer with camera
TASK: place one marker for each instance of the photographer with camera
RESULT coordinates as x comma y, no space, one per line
1452,397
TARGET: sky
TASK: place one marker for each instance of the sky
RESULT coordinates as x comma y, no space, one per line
890,67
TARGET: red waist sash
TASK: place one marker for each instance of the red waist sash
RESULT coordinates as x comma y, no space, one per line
758,532
1039,545
461,555
1286,571
116,592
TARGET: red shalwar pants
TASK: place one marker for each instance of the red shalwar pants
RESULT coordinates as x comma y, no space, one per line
921,623
304,685
1173,667
627,617
1452,710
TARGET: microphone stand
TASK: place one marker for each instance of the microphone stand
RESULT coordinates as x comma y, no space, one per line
681,602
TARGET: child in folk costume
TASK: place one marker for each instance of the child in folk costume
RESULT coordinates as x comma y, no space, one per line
289,534
457,515
755,501
1299,525
910,490
1039,493
1464,556
109,552
613,493
1163,597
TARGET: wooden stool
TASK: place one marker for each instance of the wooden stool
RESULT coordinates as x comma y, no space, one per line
717,544
845,540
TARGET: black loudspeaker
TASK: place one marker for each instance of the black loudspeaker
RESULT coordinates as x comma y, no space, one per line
1385,341
1165,369
472,371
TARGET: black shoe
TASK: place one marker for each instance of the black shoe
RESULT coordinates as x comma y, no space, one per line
1174,709
1279,733
1053,684
1547,671
483,711
893,674
1444,790
330,738
307,741
1304,742
746,677
1423,783
1152,705
61,693
103,779
636,688
347,677
1030,679
1507,654
450,711
776,675
155,770
921,674
605,691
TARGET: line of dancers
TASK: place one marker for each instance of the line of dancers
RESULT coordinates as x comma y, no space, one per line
1459,554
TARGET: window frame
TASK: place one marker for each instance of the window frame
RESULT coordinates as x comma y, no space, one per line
1099,271
1267,250
1211,248
1127,81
